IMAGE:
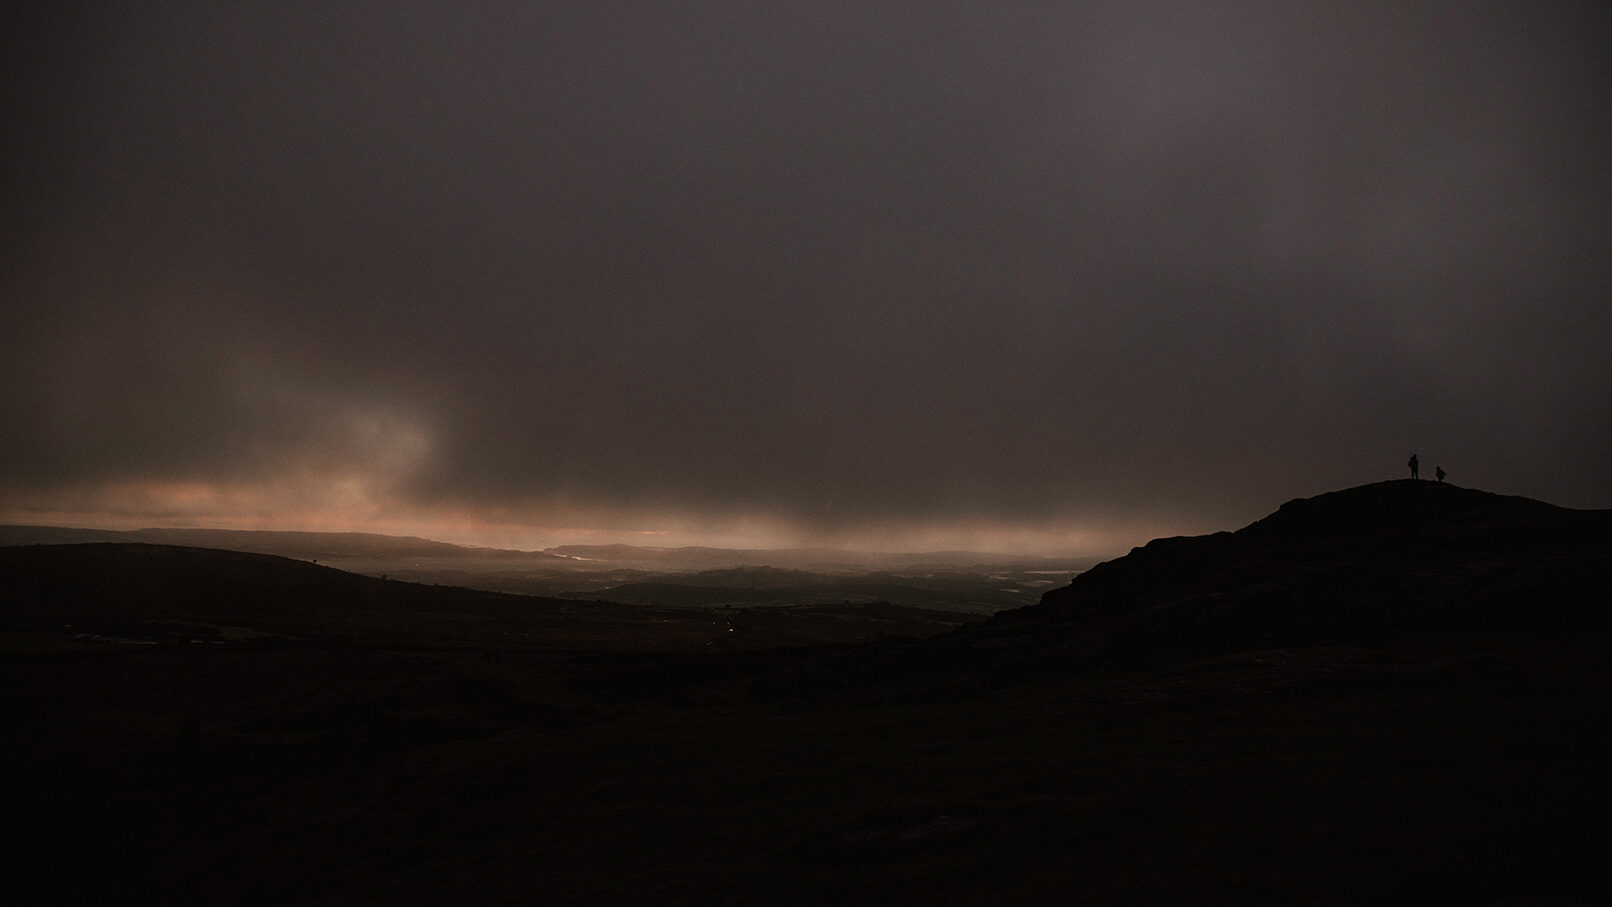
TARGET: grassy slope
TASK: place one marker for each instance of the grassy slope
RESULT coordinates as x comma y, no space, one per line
367,765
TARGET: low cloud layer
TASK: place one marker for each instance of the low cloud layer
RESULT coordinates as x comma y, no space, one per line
1038,273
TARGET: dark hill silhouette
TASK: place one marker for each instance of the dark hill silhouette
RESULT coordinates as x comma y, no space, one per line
300,545
160,591
1367,564
1395,562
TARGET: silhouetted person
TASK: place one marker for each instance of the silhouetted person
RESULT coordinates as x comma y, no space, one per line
1438,473
1413,464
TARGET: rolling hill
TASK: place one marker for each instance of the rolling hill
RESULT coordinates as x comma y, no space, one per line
1391,563
1386,694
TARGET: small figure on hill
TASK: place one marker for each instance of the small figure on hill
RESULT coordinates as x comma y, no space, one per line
1413,464
1438,473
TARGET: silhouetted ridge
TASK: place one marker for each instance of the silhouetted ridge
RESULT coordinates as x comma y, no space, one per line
1397,506
1389,562
136,589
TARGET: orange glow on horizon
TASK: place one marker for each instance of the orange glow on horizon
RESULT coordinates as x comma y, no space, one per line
1026,542
294,507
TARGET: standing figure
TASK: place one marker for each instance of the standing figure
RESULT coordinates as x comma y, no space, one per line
1413,465
1438,473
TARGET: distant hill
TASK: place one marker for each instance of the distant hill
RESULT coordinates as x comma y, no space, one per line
299,545
135,593
165,592
965,582
371,548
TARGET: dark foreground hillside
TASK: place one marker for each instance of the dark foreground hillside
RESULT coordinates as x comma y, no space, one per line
1395,563
1391,694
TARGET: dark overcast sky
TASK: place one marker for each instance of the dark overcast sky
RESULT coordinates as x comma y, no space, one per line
1017,274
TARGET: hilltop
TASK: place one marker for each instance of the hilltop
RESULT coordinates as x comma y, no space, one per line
1392,562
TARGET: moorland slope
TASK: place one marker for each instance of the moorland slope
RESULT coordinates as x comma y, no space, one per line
1388,694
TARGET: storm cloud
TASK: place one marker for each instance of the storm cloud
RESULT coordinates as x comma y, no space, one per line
1037,274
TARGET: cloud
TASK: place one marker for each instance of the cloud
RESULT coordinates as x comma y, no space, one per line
804,271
